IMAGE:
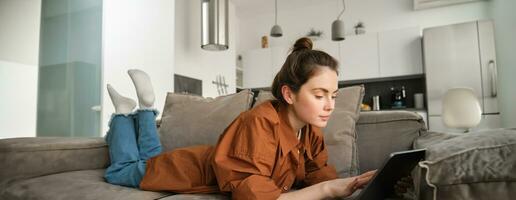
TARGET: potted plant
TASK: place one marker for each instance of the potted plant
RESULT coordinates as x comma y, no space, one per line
359,28
314,34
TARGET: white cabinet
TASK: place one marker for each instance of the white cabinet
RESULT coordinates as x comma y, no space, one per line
257,66
279,55
328,46
450,51
488,66
261,65
385,54
359,57
400,52
461,55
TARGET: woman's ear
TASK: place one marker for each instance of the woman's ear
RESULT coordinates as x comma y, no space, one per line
287,94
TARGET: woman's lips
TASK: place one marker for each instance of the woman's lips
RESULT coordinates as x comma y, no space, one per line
324,118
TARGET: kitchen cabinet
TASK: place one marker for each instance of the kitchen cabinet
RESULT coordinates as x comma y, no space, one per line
359,57
375,55
486,42
257,66
279,55
400,52
328,46
461,55
261,65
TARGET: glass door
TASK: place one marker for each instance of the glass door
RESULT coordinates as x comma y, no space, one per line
69,79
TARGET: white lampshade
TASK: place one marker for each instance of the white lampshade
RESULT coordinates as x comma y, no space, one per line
461,108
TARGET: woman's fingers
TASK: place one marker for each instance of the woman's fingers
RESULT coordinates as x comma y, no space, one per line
364,180
353,185
402,186
369,173
365,177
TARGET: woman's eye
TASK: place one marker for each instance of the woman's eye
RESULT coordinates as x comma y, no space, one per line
318,97
333,97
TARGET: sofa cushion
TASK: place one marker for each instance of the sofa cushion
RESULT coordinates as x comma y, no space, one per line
339,134
41,156
193,120
477,165
382,132
85,184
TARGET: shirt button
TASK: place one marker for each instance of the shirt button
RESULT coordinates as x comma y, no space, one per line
285,188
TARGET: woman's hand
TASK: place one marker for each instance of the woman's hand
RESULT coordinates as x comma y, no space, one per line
346,186
404,187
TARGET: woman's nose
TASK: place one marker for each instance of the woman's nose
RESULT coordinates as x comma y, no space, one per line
329,104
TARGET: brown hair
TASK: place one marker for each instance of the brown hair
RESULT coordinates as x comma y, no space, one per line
300,66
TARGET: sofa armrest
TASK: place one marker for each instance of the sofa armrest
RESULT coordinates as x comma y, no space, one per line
380,133
22,158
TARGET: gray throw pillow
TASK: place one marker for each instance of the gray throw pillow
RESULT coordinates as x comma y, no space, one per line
340,134
189,120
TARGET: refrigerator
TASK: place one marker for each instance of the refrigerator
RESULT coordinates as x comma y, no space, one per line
461,55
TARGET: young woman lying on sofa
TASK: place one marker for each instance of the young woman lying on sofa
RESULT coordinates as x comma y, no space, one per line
262,154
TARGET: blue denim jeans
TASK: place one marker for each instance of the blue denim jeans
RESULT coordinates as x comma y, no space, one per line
132,139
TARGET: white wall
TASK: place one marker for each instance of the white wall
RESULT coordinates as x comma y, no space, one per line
137,34
377,15
502,11
191,60
19,45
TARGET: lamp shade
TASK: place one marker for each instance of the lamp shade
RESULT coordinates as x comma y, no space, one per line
276,31
461,108
337,30
214,25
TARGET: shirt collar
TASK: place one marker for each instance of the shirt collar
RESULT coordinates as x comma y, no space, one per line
288,139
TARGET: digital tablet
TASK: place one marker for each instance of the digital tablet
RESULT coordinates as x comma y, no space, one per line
397,166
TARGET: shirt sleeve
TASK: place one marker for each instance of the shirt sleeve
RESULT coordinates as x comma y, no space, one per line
244,159
318,169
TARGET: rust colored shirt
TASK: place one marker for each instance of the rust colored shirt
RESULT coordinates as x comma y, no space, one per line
257,157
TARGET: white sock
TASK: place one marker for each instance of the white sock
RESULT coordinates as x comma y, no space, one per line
123,105
143,86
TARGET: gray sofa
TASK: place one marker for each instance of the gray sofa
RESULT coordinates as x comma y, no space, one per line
73,168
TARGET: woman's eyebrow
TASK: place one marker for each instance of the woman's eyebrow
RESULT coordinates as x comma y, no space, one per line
326,91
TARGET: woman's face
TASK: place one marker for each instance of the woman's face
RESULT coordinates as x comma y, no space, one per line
315,100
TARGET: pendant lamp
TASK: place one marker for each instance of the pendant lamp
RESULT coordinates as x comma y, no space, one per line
337,27
276,29
214,25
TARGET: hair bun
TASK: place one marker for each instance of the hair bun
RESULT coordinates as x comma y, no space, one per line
302,44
